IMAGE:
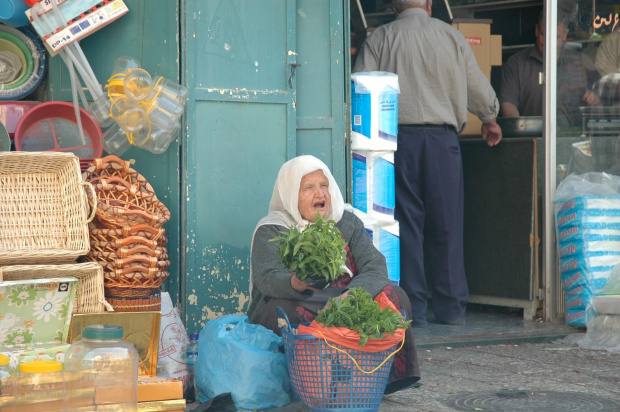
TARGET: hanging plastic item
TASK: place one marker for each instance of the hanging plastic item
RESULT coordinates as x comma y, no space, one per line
13,13
147,111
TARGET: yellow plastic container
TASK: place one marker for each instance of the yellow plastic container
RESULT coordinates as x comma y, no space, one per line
40,387
7,385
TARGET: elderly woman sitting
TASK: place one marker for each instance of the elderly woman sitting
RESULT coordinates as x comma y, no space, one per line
304,187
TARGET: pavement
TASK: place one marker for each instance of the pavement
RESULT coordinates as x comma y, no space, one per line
498,362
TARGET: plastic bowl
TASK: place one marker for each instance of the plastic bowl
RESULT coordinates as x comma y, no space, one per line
12,111
52,126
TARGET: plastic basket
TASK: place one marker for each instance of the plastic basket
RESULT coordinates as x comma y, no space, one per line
329,377
90,295
43,208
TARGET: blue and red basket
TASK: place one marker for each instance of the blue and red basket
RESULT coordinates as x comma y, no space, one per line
326,376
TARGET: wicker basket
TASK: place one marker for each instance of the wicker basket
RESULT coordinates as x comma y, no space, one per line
151,302
90,294
124,252
43,208
144,262
119,204
125,198
146,231
133,278
115,167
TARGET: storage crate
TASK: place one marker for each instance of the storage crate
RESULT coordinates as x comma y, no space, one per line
43,208
90,295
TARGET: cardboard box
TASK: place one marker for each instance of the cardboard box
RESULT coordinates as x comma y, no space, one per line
43,352
488,51
81,26
155,388
35,312
141,329
177,405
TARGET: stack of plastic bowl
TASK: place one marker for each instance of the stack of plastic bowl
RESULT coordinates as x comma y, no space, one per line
23,60
147,111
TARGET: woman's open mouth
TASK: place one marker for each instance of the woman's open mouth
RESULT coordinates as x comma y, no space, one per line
320,205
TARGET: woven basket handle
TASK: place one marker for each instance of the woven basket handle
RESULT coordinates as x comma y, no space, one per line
102,163
108,307
125,252
135,239
91,195
136,269
129,230
152,219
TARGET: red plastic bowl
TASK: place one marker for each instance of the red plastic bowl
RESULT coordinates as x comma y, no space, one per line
52,126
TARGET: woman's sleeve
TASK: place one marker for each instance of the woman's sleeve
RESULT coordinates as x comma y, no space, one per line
369,262
268,276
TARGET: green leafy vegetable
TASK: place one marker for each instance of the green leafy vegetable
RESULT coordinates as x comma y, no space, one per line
316,253
359,312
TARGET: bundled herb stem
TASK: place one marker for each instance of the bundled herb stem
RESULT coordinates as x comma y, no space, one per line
359,312
317,253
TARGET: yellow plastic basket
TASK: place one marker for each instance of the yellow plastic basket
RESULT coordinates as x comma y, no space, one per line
43,208
90,295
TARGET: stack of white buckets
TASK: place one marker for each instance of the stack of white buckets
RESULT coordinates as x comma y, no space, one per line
374,118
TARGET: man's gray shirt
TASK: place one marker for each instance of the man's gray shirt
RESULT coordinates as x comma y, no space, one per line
438,74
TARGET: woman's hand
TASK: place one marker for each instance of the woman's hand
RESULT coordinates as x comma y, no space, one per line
299,285
342,296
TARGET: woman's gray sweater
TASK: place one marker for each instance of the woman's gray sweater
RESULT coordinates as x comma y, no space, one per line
271,279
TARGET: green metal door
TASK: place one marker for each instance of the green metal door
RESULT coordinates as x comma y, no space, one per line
246,63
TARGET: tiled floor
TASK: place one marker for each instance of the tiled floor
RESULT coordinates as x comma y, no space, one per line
489,325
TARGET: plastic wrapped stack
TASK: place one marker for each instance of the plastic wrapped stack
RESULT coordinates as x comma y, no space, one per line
589,240
126,236
374,107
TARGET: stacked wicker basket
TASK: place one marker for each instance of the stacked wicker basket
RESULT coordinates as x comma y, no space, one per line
126,235
44,217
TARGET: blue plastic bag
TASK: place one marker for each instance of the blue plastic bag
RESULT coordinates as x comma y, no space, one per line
242,359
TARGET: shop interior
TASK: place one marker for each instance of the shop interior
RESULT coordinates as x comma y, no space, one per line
504,186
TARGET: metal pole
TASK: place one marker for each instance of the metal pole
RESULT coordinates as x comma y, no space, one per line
549,249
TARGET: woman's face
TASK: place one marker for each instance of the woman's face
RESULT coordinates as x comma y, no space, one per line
314,195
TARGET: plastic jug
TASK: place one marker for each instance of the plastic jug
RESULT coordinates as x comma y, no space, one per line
103,360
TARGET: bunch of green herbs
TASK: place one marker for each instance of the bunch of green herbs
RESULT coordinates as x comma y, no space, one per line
316,253
359,312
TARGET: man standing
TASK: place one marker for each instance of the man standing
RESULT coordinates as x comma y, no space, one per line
439,81
523,95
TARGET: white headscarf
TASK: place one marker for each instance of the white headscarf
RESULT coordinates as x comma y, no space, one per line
284,208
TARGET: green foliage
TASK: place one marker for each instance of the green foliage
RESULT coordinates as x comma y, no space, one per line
317,252
359,312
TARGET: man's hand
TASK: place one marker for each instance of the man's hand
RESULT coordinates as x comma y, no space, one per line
591,99
491,132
